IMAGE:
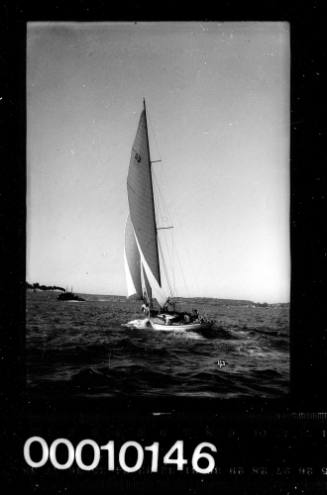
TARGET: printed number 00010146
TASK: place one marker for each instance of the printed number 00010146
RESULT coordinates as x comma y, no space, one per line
202,460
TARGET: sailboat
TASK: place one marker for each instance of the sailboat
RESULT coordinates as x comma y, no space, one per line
142,261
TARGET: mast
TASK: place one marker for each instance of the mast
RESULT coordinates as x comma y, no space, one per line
143,270
151,187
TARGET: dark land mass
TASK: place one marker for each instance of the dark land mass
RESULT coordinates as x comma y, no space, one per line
37,286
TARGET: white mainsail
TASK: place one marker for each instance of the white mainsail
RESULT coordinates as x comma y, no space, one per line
141,240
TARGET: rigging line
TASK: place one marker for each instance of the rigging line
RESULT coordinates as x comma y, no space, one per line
180,266
154,136
191,270
173,248
173,258
164,246
171,253
161,203
164,212
170,249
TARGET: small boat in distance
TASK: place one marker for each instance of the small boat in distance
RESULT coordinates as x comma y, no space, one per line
142,261
69,296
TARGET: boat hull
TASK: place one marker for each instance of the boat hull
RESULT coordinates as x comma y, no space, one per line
182,327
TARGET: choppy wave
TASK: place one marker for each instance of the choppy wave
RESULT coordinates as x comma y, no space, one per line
84,349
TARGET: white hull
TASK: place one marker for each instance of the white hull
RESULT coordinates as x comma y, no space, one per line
147,324
187,327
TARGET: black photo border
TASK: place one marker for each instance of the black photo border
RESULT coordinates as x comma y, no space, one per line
308,331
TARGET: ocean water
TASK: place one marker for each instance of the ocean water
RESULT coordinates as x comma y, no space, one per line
81,348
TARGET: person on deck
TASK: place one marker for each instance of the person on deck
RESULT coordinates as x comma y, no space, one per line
169,306
145,309
195,314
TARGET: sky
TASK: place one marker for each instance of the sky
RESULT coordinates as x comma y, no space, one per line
218,101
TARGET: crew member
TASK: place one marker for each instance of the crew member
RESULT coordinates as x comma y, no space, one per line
195,314
145,309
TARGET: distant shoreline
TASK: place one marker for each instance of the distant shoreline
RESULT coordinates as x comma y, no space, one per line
207,300
37,286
